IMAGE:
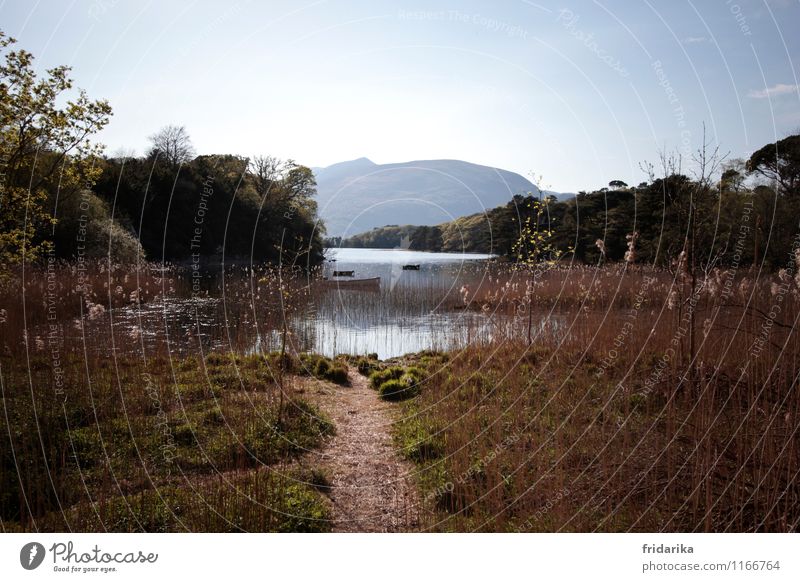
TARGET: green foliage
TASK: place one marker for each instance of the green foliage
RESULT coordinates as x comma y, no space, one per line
405,387
44,151
145,432
323,368
337,374
417,439
245,503
379,377
534,244
780,162
366,366
264,218
760,219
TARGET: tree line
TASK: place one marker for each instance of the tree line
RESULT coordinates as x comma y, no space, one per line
739,212
62,198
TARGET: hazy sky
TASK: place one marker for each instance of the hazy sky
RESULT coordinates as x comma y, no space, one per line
579,92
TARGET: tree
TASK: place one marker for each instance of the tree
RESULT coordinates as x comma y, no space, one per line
734,174
172,144
534,252
44,150
779,161
617,184
266,172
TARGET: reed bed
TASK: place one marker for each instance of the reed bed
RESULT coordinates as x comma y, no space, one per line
122,410
644,401
623,416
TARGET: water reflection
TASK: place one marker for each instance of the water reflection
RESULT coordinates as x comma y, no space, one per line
409,311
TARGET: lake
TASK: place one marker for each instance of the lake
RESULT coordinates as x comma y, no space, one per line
409,311
413,310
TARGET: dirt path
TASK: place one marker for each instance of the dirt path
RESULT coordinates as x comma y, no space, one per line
371,487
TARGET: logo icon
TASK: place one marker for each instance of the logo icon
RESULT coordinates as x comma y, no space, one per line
31,555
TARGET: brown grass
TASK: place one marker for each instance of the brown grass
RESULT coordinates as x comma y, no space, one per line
605,423
613,419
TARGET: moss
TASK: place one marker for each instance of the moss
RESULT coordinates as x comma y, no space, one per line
187,364
87,446
184,434
316,478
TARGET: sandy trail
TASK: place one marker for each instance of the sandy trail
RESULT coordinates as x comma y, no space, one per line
371,486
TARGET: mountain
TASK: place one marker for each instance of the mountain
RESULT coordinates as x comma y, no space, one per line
359,195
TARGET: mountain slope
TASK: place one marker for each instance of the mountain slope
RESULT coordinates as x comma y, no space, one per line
359,195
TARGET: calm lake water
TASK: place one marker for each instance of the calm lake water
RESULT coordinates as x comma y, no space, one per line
411,310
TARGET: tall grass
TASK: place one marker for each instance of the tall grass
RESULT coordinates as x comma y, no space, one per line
115,416
126,392
605,422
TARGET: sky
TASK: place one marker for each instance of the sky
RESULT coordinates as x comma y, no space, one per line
574,93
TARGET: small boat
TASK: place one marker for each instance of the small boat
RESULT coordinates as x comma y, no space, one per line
411,267
371,283
343,273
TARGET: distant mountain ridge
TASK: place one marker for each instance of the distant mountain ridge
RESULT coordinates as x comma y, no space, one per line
359,195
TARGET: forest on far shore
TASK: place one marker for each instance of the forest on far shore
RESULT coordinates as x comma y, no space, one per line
64,198
743,212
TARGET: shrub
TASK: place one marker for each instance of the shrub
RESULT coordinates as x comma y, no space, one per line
288,362
418,374
337,374
366,366
214,416
401,389
184,434
379,377
316,478
322,368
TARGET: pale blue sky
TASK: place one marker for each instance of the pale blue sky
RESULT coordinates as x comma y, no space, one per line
577,91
